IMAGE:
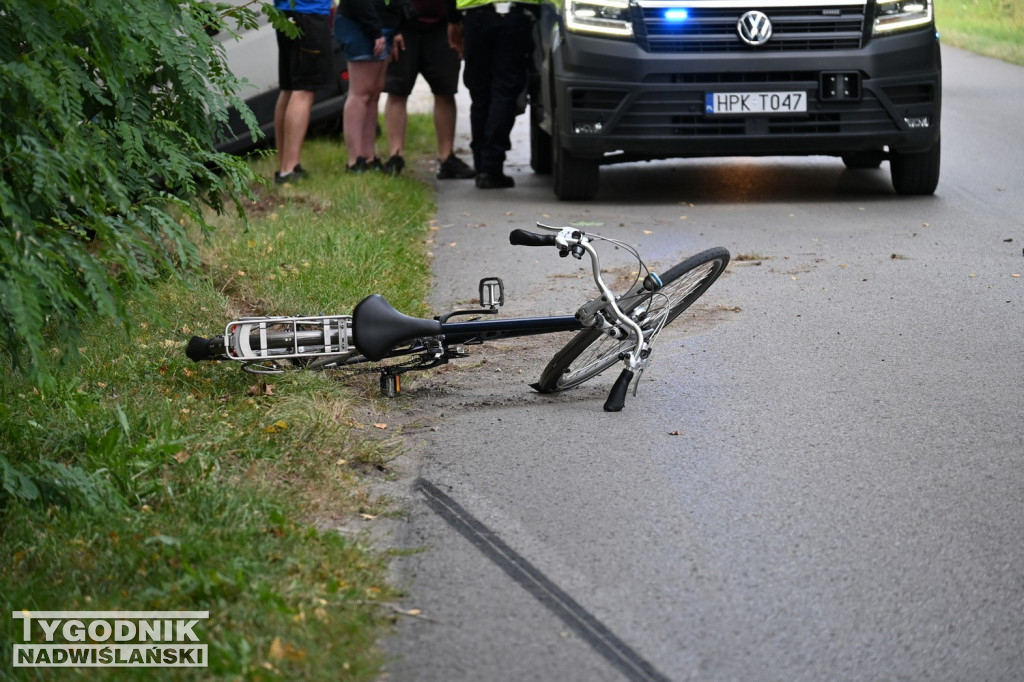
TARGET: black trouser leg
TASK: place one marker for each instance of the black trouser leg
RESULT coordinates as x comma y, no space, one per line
497,53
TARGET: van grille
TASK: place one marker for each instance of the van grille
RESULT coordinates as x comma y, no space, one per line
713,29
680,114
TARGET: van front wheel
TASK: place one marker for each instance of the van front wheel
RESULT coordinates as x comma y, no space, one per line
575,179
916,174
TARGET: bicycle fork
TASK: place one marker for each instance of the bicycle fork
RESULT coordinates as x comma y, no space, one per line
592,315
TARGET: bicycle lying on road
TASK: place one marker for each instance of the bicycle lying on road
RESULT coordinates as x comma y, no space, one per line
610,329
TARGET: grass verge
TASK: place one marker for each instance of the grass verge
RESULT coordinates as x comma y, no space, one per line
145,482
994,28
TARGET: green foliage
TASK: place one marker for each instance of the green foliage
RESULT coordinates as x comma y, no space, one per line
110,109
994,28
144,481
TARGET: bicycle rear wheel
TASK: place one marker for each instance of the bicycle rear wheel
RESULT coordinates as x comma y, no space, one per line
591,352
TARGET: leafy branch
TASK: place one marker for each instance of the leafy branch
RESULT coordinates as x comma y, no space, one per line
112,110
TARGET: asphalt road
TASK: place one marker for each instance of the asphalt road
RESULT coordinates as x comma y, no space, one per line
822,477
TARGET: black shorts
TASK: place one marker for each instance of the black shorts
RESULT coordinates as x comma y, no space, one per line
307,61
427,53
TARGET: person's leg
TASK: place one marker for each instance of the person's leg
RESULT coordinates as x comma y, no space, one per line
399,79
280,134
509,73
361,105
395,119
286,55
440,65
445,113
304,63
449,165
295,122
372,107
477,75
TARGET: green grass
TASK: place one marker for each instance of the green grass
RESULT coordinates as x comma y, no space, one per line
994,28
142,481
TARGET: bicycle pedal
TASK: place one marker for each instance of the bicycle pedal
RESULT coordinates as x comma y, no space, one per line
492,292
390,384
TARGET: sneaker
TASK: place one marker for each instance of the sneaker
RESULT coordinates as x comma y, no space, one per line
494,181
394,165
358,167
297,173
454,168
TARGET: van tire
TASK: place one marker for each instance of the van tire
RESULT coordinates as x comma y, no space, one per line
916,174
575,179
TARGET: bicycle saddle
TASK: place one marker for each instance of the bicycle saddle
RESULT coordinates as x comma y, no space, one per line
377,327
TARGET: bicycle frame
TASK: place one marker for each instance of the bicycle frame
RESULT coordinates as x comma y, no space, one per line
486,330
336,335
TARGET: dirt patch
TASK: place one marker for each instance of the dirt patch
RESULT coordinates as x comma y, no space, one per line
265,202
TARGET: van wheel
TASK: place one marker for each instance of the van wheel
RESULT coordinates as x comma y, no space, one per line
540,145
575,179
915,174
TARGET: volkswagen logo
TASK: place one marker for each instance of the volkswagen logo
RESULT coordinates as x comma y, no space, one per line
755,28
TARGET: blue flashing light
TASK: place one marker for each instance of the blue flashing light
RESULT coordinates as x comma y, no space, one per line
676,15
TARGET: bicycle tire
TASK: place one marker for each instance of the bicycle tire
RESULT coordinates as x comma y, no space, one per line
590,352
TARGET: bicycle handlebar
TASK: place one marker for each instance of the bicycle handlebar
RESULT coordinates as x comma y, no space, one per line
520,237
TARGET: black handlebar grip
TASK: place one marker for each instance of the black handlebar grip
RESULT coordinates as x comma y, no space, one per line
203,349
524,238
617,398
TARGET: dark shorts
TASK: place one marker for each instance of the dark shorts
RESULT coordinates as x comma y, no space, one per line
307,61
356,43
427,53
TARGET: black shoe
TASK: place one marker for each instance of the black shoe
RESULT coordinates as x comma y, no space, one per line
374,164
494,181
454,168
358,167
394,165
297,173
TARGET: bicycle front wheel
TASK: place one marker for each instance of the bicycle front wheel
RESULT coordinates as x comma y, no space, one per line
591,352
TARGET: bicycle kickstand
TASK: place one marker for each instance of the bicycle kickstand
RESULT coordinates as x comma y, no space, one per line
390,384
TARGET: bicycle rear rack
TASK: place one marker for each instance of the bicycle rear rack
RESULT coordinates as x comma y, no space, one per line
319,335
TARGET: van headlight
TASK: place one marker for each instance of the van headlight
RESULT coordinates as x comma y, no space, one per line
900,15
604,17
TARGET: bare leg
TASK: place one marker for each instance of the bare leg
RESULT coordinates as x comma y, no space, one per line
279,131
291,120
366,79
444,124
370,122
396,117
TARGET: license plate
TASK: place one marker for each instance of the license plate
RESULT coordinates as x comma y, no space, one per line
754,102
